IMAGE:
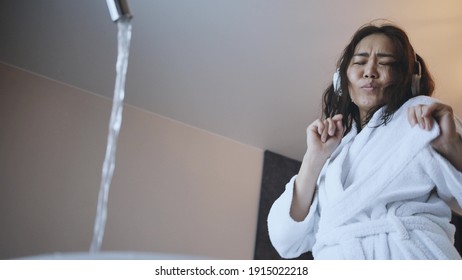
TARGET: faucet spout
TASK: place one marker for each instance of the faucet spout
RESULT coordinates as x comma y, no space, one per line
118,9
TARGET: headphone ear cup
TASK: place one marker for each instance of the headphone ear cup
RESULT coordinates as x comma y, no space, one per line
337,83
415,86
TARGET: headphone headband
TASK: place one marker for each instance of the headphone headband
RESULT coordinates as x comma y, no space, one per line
415,86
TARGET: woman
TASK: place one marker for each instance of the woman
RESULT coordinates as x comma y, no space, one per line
382,169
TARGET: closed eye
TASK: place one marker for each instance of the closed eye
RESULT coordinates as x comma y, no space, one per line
387,63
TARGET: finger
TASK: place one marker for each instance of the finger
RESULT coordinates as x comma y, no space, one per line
324,131
418,116
337,120
411,116
316,128
427,117
437,110
428,123
331,127
320,126
430,109
340,128
337,117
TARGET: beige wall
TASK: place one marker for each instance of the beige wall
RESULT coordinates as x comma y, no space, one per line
176,189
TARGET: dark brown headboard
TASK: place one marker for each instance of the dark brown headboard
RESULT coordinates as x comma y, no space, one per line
277,171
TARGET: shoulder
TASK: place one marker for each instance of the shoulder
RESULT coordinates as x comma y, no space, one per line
420,100
400,121
402,112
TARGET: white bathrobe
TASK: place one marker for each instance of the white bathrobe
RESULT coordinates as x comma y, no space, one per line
382,194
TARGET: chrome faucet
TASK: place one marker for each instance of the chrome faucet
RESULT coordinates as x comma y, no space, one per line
118,9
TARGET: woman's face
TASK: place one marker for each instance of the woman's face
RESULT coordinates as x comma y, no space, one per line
370,72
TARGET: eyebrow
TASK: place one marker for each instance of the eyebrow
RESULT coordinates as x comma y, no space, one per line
365,54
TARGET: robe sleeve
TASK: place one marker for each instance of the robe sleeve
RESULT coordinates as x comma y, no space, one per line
289,237
446,177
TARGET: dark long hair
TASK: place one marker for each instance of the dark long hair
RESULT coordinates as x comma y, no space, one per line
395,95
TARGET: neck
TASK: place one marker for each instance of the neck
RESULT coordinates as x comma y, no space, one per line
363,119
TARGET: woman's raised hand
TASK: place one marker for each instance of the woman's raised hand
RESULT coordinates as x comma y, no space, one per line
323,136
449,142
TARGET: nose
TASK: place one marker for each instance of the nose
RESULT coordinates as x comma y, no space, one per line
370,71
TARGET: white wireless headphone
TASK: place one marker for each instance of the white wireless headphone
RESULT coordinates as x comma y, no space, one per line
337,83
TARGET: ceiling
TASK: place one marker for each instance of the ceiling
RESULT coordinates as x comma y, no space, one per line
249,70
